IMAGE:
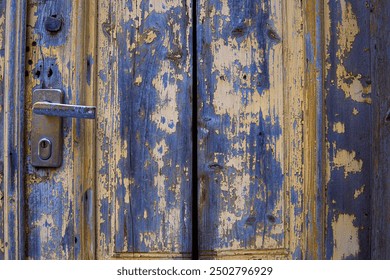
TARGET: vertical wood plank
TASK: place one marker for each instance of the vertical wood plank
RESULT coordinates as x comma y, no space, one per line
348,129
380,17
2,64
250,200
57,59
314,193
13,124
88,147
295,128
144,145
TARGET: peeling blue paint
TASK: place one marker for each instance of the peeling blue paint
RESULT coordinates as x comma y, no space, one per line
137,104
61,10
259,214
357,136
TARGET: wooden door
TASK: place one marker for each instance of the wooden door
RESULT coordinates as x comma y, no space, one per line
225,129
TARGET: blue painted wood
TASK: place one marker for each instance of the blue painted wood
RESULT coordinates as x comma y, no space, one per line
149,76
13,125
348,131
240,179
51,194
141,46
135,99
2,50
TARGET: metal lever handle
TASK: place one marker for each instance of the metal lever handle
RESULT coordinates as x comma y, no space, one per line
46,132
64,110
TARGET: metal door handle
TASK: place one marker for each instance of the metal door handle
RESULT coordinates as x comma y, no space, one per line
64,110
46,133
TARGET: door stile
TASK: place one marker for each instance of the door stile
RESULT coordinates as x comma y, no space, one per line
84,39
314,128
84,48
59,219
12,244
294,81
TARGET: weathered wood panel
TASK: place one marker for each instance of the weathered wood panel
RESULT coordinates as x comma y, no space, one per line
313,169
12,165
380,44
144,142
56,57
286,167
348,129
2,64
250,128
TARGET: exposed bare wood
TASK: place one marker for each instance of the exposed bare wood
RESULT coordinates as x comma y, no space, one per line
57,57
144,142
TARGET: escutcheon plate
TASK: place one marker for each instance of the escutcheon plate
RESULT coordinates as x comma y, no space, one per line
46,127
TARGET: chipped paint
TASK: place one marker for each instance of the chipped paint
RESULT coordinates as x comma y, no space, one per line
359,192
350,83
346,160
348,155
345,234
58,225
339,127
144,136
254,198
347,29
352,86
138,80
241,148
166,116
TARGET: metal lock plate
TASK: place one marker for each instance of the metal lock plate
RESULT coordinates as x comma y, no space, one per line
46,132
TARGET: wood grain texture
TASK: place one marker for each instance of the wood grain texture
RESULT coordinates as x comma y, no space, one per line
349,127
2,64
12,132
54,196
88,9
250,129
314,191
380,42
292,141
144,142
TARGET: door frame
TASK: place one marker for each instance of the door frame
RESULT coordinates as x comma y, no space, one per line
13,130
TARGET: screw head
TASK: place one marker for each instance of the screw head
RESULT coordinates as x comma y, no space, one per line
53,23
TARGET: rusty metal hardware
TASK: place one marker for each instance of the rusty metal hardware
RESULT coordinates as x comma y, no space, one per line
46,133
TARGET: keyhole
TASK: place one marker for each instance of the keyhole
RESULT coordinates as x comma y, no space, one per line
44,149
44,144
